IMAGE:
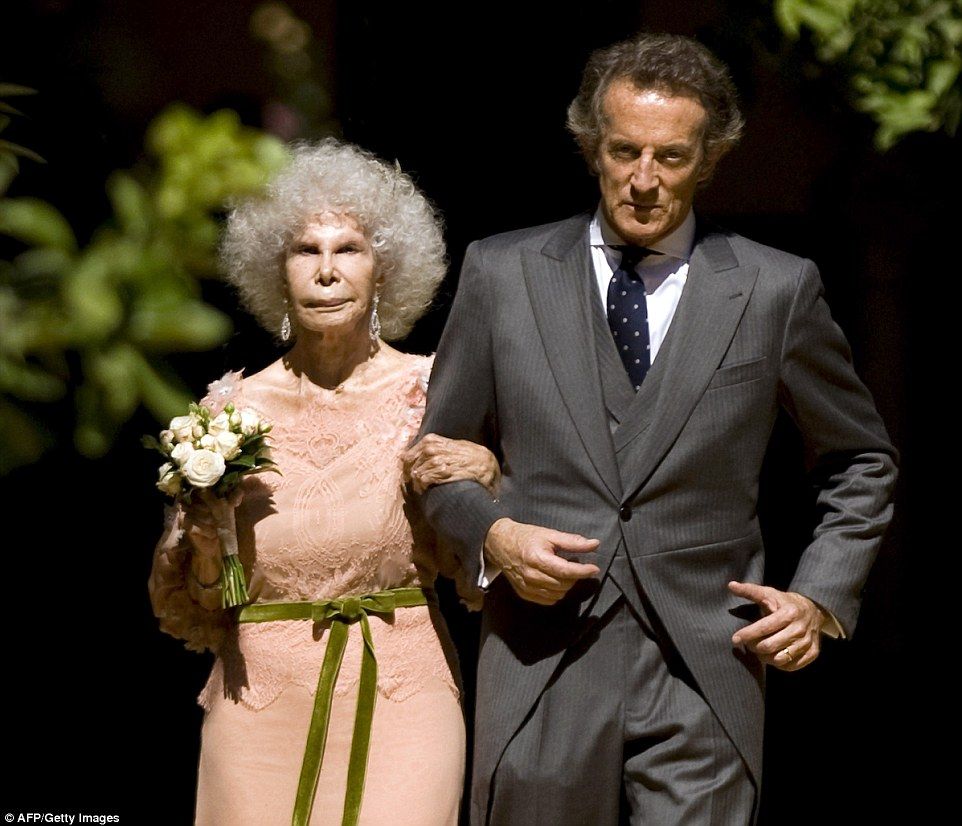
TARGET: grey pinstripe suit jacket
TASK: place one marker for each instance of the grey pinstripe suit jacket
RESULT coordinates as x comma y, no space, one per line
517,369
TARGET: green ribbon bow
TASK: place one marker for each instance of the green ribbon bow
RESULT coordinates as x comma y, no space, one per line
340,613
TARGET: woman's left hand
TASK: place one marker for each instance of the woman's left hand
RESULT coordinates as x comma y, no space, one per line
436,460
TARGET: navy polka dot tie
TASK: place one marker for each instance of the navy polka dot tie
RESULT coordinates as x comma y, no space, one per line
628,314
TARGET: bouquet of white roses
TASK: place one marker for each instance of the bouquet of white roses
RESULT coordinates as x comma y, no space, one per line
209,455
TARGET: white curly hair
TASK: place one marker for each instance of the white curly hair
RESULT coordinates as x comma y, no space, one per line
330,176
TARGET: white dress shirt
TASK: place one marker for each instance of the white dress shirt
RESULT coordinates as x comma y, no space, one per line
664,274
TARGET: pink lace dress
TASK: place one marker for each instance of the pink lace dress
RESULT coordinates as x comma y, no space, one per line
335,523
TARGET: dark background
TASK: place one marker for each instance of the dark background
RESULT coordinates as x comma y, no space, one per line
471,100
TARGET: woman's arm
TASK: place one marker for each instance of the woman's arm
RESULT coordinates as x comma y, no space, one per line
436,460
184,582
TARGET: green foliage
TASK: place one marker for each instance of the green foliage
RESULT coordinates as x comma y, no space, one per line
93,322
11,152
901,57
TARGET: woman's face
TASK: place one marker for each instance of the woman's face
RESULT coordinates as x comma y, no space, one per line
330,276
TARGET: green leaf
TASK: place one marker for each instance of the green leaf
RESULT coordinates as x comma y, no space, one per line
942,75
113,370
187,326
228,482
243,461
36,222
28,382
22,441
788,18
93,303
266,468
151,443
9,167
22,151
172,130
131,204
8,109
9,90
42,261
951,29
253,443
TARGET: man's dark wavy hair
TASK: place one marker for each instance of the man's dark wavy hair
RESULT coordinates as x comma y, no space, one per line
667,63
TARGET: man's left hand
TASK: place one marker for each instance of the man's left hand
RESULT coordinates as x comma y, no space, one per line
789,635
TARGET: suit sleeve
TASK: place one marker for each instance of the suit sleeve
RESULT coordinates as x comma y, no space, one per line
852,462
461,405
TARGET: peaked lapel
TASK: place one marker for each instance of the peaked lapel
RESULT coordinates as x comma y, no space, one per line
711,306
555,277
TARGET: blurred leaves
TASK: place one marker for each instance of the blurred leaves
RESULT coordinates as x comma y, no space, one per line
901,57
92,323
11,152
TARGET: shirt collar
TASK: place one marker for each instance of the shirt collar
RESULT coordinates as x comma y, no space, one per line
677,244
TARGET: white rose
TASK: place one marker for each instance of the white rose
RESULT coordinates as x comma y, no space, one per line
219,424
235,420
183,427
204,468
249,421
168,479
225,443
228,444
181,453
166,439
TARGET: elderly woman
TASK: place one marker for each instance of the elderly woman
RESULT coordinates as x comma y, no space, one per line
342,253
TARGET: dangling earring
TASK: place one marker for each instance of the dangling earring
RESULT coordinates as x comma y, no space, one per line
286,330
375,327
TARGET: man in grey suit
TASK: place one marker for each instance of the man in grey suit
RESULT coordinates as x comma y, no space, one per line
627,366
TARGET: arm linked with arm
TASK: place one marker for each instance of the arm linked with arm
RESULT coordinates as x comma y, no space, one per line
461,404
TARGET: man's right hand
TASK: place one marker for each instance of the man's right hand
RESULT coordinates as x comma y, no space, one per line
528,556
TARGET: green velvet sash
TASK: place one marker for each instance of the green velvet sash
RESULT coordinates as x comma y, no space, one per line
340,613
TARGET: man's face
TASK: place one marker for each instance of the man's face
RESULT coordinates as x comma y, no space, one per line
650,160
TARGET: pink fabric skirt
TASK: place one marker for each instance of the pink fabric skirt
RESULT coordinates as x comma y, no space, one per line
250,760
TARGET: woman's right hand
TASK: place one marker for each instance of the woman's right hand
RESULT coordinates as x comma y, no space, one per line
436,460
201,518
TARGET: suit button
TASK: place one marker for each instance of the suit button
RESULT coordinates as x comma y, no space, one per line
625,513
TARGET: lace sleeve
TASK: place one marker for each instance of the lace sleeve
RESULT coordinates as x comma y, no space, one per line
176,604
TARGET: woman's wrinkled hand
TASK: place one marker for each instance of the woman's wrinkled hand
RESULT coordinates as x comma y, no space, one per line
436,460
200,527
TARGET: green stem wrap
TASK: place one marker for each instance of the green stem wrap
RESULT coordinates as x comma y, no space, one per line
233,584
340,613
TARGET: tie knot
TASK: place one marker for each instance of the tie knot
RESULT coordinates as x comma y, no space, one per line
631,256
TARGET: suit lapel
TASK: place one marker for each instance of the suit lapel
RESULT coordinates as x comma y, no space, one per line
555,278
711,306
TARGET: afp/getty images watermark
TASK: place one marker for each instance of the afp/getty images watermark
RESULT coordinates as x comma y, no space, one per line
60,817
